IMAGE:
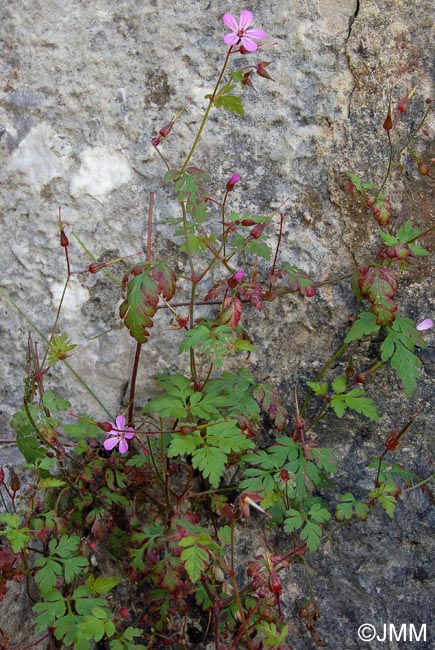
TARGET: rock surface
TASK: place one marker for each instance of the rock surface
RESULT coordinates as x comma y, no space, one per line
84,88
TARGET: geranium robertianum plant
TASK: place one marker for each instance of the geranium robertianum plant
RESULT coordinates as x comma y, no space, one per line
159,490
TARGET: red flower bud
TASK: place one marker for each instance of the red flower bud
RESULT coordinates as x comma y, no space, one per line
105,426
64,242
275,583
388,124
258,230
310,291
165,130
125,614
261,70
247,222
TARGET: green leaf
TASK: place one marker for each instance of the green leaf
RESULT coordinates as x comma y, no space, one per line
191,189
211,463
339,385
319,388
312,533
230,103
360,186
364,325
102,586
54,403
398,348
144,284
52,608
355,400
194,557
51,482
293,521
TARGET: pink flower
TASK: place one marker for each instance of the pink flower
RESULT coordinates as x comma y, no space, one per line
425,324
241,34
120,434
231,183
236,279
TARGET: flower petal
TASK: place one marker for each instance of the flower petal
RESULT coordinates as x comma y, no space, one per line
249,45
120,423
425,324
111,443
231,39
259,34
123,446
129,433
231,22
246,18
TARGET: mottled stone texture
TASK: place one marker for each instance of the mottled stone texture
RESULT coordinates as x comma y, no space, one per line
84,85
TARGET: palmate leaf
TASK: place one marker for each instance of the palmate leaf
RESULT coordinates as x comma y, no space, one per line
144,283
191,189
398,348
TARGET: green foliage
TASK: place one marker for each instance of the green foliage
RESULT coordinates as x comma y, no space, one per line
341,400
144,284
364,325
17,534
227,101
58,349
62,562
349,507
191,190
398,348
216,341
210,447
309,521
354,399
127,640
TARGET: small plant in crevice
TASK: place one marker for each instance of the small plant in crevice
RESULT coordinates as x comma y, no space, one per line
131,524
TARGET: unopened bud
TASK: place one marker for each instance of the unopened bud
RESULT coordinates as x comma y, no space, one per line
105,426
15,483
236,279
388,124
64,242
423,169
235,178
261,70
275,583
165,130
258,230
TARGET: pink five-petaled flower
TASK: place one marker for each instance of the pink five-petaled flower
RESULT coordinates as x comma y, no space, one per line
425,324
119,435
241,34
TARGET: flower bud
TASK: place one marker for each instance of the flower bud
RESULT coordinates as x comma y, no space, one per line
105,426
236,279
261,70
275,583
165,130
388,124
258,230
64,242
235,178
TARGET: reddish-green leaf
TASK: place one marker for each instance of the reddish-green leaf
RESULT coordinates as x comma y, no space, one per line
144,284
378,285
